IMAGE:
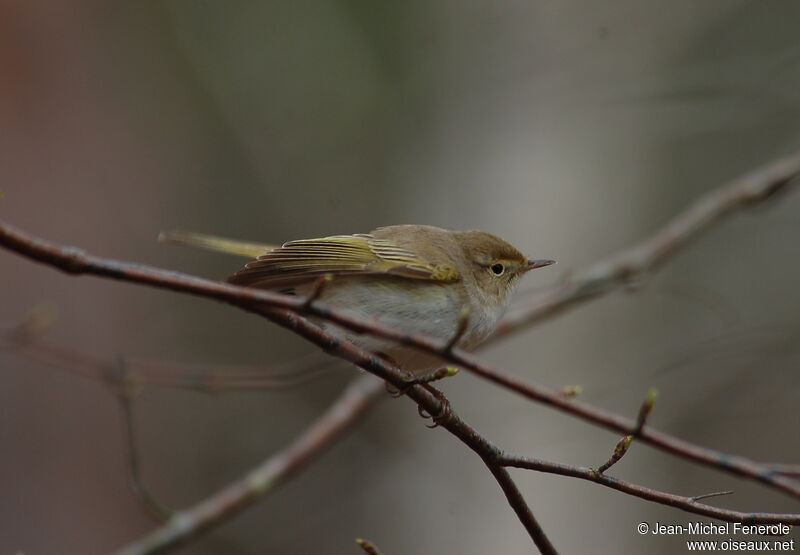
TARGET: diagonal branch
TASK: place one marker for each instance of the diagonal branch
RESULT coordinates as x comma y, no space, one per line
745,192
262,480
428,400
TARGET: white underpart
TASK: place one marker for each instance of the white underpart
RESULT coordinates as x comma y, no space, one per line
418,306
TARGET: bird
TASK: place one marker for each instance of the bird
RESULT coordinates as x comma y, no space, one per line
447,284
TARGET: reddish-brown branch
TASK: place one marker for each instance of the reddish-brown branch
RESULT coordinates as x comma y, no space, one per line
427,399
785,469
519,505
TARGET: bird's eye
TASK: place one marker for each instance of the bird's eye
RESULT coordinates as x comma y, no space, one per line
497,269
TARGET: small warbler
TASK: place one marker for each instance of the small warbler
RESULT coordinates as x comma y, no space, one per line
414,278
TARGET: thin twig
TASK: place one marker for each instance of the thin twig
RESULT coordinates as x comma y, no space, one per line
149,502
368,547
263,479
619,452
624,444
688,504
202,377
712,494
784,469
734,464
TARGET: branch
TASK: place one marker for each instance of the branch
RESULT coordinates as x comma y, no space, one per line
629,266
153,508
624,444
688,504
203,377
734,464
263,479
428,400
25,339
285,311
786,469
262,302
425,396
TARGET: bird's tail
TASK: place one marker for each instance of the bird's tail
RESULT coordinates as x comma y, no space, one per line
217,244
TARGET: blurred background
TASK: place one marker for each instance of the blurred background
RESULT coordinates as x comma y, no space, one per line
572,129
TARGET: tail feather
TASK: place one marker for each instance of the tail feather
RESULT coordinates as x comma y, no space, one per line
217,244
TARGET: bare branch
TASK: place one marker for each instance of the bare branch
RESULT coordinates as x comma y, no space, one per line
204,377
631,265
517,502
688,504
434,376
733,464
149,502
712,494
263,479
785,469
624,444
619,452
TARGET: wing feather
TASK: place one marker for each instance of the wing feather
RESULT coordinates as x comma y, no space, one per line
246,249
340,254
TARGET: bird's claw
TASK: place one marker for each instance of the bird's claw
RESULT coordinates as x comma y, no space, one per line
445,410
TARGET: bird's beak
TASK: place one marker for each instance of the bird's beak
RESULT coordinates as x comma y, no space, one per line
533,264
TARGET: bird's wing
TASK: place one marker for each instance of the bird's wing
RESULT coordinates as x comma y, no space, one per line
340,254
217,244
